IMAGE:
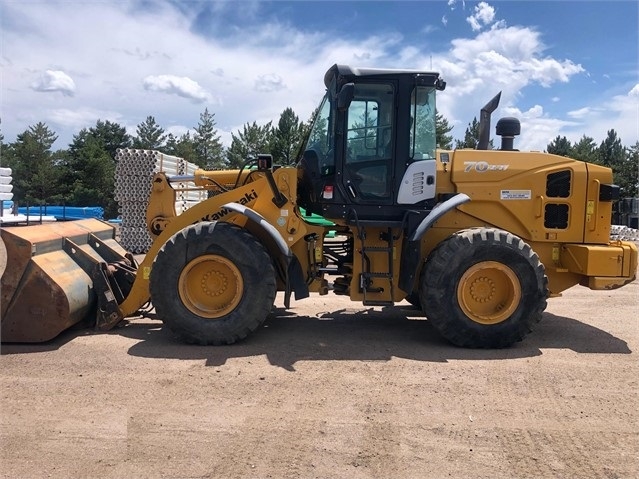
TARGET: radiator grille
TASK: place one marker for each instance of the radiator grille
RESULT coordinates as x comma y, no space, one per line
558,184
556,216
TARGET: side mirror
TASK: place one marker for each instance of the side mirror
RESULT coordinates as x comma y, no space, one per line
345,96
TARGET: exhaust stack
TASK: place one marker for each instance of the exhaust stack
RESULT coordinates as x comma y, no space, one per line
484,122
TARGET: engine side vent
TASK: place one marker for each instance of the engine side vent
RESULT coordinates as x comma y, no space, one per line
558,184
556,216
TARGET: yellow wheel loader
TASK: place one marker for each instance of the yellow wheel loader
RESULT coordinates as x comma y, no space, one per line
479,239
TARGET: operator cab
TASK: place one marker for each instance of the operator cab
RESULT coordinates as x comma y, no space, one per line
370,154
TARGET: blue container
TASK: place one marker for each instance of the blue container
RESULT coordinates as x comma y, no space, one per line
64,213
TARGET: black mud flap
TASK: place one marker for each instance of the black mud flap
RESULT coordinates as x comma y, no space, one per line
295,282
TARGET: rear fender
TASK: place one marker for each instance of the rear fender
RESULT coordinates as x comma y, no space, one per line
411,251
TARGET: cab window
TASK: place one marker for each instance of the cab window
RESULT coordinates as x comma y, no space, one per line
422,131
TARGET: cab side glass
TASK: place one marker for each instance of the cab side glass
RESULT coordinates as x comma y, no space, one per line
422,131
369,129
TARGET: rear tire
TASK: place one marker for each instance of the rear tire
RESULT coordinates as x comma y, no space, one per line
213,283
483,288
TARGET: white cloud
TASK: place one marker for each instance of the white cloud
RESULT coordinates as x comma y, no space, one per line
506,59
179,130
81,117
452,3
155,59
580,113
483,16
620,112
510,56
269,83
537,128
54,80
427,29
174,85
536,111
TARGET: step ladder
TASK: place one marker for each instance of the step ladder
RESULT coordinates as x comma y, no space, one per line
367,276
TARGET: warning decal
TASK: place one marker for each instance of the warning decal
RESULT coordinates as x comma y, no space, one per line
516,194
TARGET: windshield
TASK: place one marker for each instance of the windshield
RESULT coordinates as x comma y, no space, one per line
422,132
320,138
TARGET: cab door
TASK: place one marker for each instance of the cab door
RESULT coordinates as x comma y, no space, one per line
370,144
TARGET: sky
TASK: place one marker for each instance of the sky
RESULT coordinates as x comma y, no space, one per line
567,68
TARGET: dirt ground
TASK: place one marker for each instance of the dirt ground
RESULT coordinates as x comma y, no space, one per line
331,389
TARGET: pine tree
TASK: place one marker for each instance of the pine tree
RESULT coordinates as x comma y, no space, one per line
111,136
631,172
150,136
249,142
89,166
471,136
183,147
93,183
585,150
209,152
442,128
560,146
611,152
287,138
36,178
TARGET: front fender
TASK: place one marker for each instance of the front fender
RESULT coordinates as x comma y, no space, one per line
292,271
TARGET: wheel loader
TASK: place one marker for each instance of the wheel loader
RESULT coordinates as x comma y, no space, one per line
479,239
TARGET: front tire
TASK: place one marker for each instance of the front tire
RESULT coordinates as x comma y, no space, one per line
413,299
213,283
483,288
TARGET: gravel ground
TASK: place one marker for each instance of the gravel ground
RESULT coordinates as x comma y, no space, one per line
331,389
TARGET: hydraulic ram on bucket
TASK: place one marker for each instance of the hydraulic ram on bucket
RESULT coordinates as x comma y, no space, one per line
59,274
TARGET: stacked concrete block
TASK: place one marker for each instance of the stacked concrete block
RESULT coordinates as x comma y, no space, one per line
133,180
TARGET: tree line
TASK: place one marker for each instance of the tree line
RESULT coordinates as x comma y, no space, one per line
83,174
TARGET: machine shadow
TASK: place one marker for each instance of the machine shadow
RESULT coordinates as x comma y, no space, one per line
367,335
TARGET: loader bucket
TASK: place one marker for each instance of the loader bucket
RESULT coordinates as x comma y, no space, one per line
50,281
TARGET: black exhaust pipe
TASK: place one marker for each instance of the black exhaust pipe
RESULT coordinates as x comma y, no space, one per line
484,122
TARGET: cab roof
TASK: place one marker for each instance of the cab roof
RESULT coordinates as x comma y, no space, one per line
346,74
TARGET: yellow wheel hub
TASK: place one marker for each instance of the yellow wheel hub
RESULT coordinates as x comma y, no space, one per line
211,286
489,292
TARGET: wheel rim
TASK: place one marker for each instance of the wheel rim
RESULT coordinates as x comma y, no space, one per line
210,286
489,292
